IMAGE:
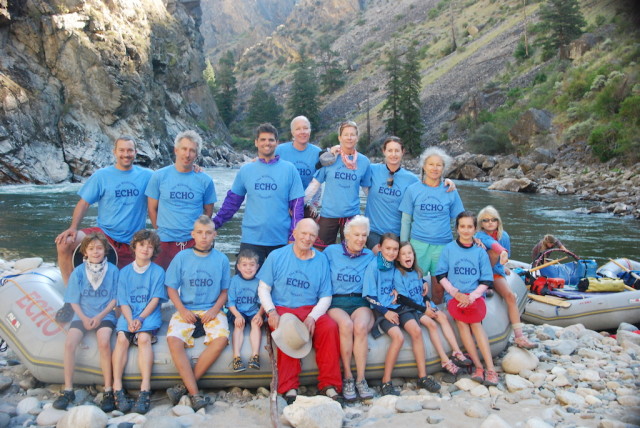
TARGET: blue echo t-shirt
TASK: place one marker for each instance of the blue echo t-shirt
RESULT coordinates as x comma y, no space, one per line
432,209
296,282
409,285
465,267
199,279
341,196
243,295
268,188
488,241
347,274
91,301
181,197
304,160
122,205
383,201
379,284
136,291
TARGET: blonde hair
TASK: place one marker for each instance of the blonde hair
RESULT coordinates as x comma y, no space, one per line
490,212
348,124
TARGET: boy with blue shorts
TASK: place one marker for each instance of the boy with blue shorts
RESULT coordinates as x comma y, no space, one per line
244,307
197,282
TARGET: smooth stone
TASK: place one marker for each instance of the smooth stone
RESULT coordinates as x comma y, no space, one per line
28,382
624,336
83,417
568,398
518,360
124,425
610,423
561,380
405,405
262,391
589,376
480,391
380,412
5,382
516,383
537,379
26,404
593,400
625,391
181,410
563,347
537,423
430,405
435,419
7,408
629,400
134,418
50,416
184,401
5,420
191,420
82,395
476,410
625,326
161,422
24,420
388,401
314,412
494,421
466,384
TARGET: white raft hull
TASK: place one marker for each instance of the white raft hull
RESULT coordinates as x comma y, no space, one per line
28,304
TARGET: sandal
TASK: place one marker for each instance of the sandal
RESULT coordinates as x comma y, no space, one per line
290,396
460,360
123,403
254,362
143,403
490,378
524,343
478,375
450,367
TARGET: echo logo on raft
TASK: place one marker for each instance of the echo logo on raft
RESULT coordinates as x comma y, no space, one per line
43,318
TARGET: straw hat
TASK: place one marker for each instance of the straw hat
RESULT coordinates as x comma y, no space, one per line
292,336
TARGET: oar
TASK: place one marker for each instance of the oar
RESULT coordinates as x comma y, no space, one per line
544,265
550,300
626,269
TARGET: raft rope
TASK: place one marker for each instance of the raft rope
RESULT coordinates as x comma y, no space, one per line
48,315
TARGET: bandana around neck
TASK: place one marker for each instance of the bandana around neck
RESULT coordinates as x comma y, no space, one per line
95,272
350,163
383,264
348,253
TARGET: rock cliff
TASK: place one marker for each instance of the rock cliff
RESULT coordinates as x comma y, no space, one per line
75,74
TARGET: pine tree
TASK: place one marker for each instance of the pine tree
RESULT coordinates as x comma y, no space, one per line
411,125
225,87
263,107
391,106
332,76
303,95
563,22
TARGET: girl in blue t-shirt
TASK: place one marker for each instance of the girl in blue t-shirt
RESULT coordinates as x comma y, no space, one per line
379,291
465,273
140,292
498,245
412,291
91,291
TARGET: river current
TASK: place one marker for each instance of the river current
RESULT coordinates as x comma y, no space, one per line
32,215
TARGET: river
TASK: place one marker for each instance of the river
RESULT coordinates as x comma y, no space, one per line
31,216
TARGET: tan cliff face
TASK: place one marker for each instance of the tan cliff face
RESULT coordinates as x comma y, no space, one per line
76,74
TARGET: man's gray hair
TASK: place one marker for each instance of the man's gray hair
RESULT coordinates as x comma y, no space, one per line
297,118
190,135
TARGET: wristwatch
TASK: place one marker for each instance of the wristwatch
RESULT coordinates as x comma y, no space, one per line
270,311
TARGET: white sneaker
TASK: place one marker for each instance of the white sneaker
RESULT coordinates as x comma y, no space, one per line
363,389
349,389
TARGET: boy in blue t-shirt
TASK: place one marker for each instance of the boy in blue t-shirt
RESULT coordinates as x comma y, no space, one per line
91,291
197,282
140,293
244,306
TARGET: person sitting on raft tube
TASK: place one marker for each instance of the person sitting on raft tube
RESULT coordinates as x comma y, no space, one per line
546,243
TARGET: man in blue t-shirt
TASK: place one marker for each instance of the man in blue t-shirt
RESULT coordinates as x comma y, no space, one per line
296,279
275,198
122,206
177,196
299,151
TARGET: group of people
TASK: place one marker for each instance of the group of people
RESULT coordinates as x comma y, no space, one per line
311,291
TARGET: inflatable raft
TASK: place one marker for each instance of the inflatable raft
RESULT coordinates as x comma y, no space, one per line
29,301
596,311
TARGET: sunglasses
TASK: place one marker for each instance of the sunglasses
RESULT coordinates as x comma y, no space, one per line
390,179
487,220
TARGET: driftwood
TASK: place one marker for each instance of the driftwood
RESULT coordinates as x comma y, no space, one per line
273,396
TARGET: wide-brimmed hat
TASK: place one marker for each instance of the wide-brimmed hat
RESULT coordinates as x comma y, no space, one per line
292,336
472,314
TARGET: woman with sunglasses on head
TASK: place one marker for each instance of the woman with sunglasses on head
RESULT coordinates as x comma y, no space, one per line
389,180
498,245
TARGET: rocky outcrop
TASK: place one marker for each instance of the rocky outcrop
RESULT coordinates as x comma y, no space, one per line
533,129
75,74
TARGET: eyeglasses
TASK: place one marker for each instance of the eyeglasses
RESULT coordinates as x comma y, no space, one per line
487,220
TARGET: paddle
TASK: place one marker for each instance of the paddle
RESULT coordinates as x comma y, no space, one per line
550,300
544,265
626,269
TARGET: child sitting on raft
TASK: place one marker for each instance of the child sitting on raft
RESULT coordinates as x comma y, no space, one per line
244,307
141,291
91,291
465,273
498,244
412,291
378,288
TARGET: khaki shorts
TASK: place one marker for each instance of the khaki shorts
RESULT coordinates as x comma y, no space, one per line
214,329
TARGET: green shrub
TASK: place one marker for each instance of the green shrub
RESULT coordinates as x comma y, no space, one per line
488,139
630,109
600,20
539,78
579,130
329,140
455,106
608,100
604,140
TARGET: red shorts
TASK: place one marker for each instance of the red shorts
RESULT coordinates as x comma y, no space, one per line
168,251
122,249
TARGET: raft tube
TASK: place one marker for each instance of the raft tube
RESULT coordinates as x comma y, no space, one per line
28,303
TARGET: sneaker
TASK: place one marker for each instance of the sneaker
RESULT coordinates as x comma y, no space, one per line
123,403
490,378
478,375
349,389
451,367
108,402
460,360
175,393
524,343
388,389
199,400
363,389
65,398
254,362
143,403
290,396
238,365
429,384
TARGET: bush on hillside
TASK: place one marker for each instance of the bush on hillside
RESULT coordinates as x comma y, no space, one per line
604,140
579,131
490,140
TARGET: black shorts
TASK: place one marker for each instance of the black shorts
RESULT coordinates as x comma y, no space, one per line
247,318
406,314
133,337
104,323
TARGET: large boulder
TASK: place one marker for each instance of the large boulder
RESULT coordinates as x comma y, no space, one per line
84,417
518,360
314,412
534,128
522,185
